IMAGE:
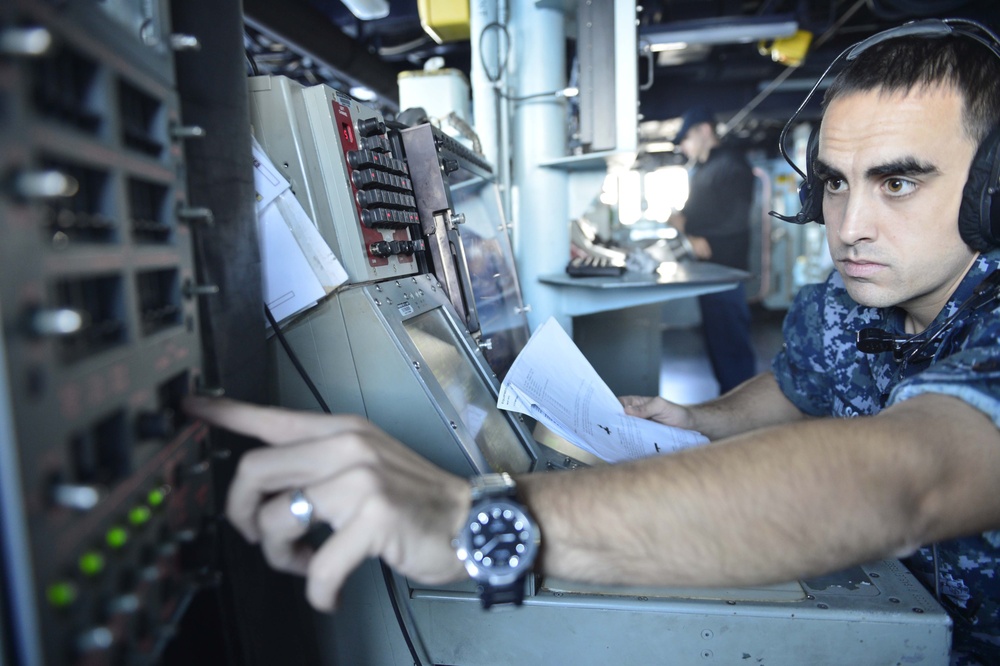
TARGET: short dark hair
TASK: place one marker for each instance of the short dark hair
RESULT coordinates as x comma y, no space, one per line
903,63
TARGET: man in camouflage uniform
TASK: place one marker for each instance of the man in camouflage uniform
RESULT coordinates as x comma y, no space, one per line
885,455
821,369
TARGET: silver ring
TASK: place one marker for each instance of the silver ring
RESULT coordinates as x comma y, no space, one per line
301,508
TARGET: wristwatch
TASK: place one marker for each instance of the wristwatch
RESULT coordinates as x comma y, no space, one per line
498,541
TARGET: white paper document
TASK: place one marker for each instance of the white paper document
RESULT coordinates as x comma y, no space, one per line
299,268
552,381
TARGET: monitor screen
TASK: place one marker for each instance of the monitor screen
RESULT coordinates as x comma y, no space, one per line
467,392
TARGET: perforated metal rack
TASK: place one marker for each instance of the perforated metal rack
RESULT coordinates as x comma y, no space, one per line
105,485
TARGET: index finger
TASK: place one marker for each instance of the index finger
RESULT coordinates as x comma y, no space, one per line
273,425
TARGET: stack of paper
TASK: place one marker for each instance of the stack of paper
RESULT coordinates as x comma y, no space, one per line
299,266
553,382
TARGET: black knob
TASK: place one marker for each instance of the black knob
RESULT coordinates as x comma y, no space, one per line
370,127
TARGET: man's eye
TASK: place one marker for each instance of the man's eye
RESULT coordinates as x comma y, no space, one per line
834,184
898,186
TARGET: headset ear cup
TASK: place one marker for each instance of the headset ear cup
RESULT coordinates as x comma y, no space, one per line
978,217
810,190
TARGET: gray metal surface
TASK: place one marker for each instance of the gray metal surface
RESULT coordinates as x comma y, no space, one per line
364,360
876,615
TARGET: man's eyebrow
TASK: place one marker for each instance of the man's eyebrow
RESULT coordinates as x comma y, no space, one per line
824,171
906,166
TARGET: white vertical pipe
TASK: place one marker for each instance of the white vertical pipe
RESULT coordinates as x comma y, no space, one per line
541,225
485,56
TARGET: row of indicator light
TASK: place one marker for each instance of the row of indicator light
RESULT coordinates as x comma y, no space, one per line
62,594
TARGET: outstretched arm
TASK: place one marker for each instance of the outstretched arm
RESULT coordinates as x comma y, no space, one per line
778,503
756,403
775,504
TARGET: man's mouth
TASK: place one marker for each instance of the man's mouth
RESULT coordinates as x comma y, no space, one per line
859,268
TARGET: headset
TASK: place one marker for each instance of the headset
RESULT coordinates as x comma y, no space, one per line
979,214
923,346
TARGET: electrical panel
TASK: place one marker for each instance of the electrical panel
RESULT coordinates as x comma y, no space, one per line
346,172
105,488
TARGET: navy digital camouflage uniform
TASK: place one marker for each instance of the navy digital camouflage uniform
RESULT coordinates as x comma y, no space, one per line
822,372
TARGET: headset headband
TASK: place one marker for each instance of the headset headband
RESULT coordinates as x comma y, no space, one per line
923,28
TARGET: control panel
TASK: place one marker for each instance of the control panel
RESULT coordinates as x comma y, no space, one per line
345,170
105,495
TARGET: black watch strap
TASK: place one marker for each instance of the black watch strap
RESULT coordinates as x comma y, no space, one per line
502,594
500,567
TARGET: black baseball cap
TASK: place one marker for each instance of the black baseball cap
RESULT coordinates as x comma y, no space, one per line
696,115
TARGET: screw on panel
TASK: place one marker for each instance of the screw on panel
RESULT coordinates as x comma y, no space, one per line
187,132
191,289
199,214
180,42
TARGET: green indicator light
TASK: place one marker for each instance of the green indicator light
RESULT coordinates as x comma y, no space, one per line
61,595
116,537
156,497
91,563
139,515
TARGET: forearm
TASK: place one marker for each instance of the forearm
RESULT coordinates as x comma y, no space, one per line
773,505
755,404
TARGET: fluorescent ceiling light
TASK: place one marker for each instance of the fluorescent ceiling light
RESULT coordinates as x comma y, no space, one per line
368,10
680,34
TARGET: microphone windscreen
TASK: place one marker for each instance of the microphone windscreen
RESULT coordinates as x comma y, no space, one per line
875,341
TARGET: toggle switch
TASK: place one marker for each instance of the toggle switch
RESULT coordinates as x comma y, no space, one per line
76,496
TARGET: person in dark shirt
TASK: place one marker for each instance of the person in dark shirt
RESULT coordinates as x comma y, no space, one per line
716,219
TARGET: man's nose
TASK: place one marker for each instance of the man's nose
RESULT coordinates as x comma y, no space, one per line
853,218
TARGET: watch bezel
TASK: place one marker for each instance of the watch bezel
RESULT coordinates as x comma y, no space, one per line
498,575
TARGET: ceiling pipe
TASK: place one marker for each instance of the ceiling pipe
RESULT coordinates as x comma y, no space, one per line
308,31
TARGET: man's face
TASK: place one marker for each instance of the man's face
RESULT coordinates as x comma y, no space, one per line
694,143
893,167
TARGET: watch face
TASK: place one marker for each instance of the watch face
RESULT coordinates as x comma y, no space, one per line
498,543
